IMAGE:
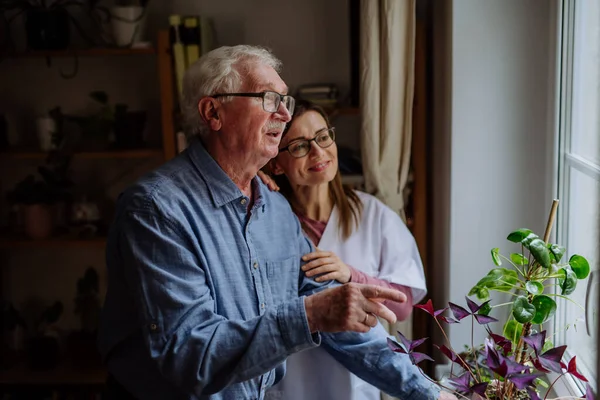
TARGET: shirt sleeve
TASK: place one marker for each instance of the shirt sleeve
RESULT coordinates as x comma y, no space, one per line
197,349
402,310
368,356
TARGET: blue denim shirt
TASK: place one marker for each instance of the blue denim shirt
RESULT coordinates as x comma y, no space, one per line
205,298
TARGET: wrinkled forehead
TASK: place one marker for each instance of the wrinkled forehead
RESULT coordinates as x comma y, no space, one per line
261,77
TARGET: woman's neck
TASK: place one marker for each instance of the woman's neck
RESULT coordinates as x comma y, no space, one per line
314,202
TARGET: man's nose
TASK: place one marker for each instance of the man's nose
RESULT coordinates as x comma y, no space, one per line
283,113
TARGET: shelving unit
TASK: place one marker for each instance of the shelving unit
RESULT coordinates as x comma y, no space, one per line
66,374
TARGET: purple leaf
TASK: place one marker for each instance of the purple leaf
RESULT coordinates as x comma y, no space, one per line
501,341
458,311
448,320
462,382
539,366
572,369
522,381
551,359
428,308
416,343
589,393
452,356
513,366
533,394
480,388
394,346
536,341
405,341
492,357
416,357
501,370
484,319
474,307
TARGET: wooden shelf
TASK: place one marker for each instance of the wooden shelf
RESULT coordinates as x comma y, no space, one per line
20,241
136,153
93,52
62,375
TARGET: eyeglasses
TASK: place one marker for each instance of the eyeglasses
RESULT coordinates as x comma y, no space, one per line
270,100
301,147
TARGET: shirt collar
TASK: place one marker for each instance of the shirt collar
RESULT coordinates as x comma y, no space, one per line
220,186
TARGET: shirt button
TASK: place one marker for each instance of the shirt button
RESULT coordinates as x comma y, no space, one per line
262,305
255,265
243,201
153,327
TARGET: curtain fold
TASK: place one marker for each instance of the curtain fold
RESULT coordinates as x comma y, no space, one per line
387,59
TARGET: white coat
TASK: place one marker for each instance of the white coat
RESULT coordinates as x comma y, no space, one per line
382,247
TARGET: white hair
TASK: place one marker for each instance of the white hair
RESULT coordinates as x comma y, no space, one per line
221,70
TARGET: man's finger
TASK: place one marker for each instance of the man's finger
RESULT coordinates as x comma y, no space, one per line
377,292
381,311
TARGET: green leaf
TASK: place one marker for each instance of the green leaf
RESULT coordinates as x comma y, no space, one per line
542,383
545,307
518,235
496,279
481,292
567,281
540,252
512,331
534,287
518,259
523,310
485,309
528,239
547,345
496,257
580,266
556,252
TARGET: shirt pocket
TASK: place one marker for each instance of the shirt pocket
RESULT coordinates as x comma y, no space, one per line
283,278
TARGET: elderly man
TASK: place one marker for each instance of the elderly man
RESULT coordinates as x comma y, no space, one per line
205,297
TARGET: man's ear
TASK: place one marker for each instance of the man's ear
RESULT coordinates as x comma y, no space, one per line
274,167
208,108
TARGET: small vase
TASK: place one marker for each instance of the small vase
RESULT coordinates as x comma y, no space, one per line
128,25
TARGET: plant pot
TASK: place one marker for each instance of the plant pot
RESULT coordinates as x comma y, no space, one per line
38,221
47,29
128,25
45,127
129,130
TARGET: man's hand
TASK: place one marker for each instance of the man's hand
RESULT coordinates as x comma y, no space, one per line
447,396
328,263
351,307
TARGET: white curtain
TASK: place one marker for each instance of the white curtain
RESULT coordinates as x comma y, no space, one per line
387,58
387,55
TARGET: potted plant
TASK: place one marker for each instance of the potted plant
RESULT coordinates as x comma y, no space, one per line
35,199
47,22
511,365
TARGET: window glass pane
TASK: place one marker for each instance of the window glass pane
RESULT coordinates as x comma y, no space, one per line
585,140
583,238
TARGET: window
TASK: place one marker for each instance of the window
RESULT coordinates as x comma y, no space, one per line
578,223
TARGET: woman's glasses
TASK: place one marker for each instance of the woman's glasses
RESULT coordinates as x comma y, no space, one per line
301,147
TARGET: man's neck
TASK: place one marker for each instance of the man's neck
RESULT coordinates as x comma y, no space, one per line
240,172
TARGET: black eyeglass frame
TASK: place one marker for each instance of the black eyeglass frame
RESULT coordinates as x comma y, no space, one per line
262,95
330,132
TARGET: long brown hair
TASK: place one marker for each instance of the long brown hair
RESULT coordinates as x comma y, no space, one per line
344,197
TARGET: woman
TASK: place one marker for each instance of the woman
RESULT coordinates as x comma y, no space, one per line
346,226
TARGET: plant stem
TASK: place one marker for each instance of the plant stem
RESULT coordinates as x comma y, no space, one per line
473,347
566,298
513,264
445,387
550,388
450,347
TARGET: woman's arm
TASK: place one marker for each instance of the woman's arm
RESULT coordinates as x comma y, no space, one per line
402,310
